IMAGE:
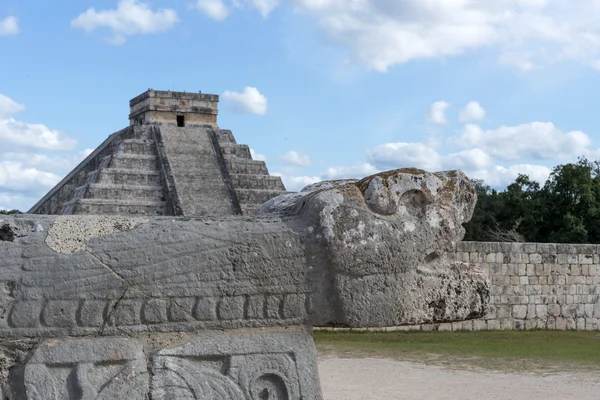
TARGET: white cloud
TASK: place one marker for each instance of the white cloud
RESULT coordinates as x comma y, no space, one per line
536,140
402,155
475,162
296,158
219,10
249,101
64,163
26,176
264,6
256,156
130,18
499,176
9,26
214,9
348,172
15,176
524,33
437,113
22,135
296,183
467,160
36,136
9,107
472,112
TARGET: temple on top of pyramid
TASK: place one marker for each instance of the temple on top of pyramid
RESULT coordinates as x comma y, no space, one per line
172,159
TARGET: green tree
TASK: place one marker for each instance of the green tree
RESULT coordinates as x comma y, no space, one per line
5,212
565,210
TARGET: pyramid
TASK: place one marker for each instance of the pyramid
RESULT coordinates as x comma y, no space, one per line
172,159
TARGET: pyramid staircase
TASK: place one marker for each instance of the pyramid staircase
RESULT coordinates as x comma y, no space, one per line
250,178
151,170
124,181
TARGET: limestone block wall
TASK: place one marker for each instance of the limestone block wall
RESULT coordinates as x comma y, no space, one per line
532,285
537,285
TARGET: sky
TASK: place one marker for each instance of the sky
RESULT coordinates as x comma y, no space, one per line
319,89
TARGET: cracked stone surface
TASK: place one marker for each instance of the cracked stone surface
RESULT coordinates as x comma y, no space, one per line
110,293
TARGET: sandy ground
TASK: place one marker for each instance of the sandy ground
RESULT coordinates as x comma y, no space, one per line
382,379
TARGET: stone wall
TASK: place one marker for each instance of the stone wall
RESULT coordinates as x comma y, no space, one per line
533,286
538,285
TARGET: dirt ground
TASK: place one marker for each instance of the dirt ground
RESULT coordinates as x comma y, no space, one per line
383,379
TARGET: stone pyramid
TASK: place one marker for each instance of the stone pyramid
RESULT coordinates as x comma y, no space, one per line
172,160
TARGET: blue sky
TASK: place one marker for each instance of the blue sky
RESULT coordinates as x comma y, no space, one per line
321,89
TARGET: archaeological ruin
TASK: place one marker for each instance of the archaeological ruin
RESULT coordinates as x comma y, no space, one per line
171,160
170,265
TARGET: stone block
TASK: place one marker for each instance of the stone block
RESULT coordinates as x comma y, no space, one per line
519,311
60,313
97,368
446,326
274,307
569,310
530,324
256,307
91,313
479,325
524,281
503,311
25,314
561,324
231,308
181,309
519,324
294,306
154,311
205,309
507,324
541,311
535,258
127,312
493,324
530,269
429,327
529,247
554,310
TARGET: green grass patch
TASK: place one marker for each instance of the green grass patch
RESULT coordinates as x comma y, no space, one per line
504,350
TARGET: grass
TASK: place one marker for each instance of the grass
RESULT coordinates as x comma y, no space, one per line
524,351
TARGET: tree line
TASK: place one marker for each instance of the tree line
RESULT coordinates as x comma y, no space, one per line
566,209
5,212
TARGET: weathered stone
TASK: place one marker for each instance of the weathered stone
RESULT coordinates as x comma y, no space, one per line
361,224
370,253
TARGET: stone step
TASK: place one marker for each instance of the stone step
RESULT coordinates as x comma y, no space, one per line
112,207
242,166
138,146
116,176
250,209
134,161
254,196
125,192
224,136
140,132
236,150
262,182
